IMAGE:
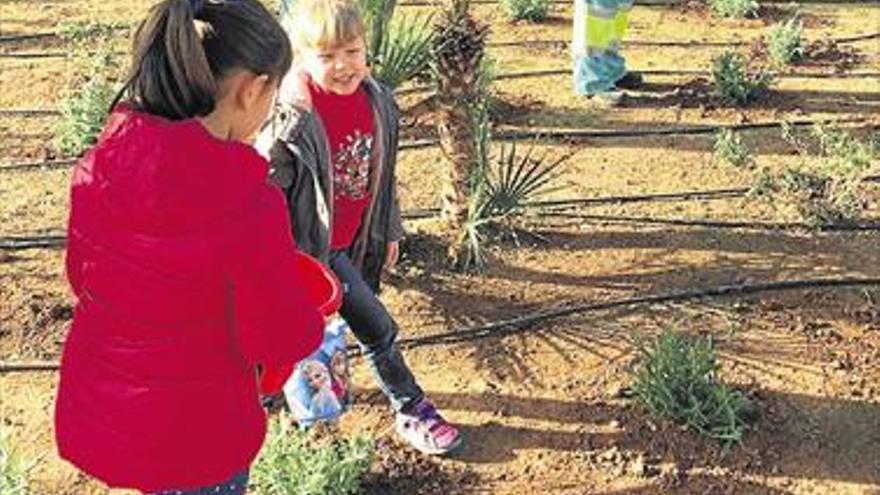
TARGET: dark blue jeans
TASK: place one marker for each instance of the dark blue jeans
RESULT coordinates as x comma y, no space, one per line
376,332
237,485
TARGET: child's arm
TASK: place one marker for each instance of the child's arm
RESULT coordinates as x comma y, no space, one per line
276,321
395,220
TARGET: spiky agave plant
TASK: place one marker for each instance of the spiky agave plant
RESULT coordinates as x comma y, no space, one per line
397,49
458,48
404,52
501,187
515,179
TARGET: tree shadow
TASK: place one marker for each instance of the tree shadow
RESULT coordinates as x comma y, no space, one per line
768,254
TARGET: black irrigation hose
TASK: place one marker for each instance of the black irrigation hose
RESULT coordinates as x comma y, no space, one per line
649,73
25,366
538,135
522,324
22,55
39,165
576,134
24,37
22,242
638,198
507,44
29,112
686,72
715,224
686,43
58,240
44,55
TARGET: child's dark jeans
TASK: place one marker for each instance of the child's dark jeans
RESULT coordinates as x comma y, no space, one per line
237,485
376,331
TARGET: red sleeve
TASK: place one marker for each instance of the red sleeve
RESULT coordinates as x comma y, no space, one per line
276,319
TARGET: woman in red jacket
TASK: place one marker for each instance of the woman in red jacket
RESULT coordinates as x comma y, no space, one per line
181,258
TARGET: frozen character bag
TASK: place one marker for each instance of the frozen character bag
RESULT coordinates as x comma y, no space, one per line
322,288
318,390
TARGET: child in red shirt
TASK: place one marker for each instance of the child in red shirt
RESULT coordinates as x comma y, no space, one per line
333,148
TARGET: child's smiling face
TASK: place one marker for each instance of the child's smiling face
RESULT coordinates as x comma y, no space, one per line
338,68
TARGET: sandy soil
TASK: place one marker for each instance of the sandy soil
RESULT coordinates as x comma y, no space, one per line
547,410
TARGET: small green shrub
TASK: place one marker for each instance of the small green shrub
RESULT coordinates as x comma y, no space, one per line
734,83
294,462
677,379
526,10
784,42
13,472
827,188
730,149
734,8
91,86
86,31
83,113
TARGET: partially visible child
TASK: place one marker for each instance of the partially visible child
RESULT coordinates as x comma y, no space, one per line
182,261
333,148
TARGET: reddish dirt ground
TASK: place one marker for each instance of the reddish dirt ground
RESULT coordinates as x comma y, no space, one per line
547,409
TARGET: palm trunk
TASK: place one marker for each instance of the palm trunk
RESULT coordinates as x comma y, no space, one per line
458,47
455,129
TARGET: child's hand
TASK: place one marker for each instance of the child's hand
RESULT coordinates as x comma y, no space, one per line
391,257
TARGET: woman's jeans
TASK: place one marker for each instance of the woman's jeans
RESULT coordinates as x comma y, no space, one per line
376,332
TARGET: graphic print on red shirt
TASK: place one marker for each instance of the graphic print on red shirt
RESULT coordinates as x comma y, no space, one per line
348,120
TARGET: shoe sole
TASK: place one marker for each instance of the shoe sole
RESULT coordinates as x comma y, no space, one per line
429,451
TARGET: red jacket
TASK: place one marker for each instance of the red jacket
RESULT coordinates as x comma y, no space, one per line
181,256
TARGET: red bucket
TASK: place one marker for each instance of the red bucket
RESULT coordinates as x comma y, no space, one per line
324,291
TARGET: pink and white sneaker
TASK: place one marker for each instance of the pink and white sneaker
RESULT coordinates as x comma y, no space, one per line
427,431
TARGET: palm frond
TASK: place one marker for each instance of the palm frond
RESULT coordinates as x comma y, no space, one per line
516,179
405,52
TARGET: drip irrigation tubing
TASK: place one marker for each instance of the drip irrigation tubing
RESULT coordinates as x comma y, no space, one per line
592,201
715,224
39,165
23,242
509,44
575,134
537,135
522,324
29,112
45,54
685,43
661,73
701,73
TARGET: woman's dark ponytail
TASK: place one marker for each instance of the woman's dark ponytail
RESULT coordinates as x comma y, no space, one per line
185,46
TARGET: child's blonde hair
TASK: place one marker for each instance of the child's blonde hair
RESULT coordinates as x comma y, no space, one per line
315,24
